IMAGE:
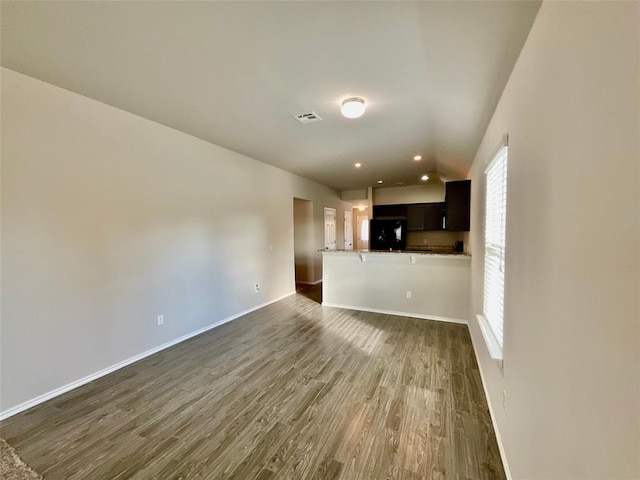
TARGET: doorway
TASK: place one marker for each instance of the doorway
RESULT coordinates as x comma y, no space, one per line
303,241
362,239
348,230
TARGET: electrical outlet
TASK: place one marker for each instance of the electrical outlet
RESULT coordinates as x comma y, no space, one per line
504,399
160,319
257,287
408,293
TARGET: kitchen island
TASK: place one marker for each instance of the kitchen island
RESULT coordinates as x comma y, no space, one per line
415,284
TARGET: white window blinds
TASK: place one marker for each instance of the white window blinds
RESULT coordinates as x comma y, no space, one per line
494,254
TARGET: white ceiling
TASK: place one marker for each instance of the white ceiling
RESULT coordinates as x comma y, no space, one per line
234,73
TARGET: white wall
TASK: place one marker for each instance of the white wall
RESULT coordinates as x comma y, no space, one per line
572,318
109,219
439,284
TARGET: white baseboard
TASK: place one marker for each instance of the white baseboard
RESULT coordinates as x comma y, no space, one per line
105,371
503,456
400,314
309,283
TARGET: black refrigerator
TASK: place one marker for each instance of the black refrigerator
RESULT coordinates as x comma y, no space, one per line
388,234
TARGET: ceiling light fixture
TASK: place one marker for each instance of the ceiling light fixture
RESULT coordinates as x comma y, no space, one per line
424,178
417,158
379,181
357,165
361,208
353,107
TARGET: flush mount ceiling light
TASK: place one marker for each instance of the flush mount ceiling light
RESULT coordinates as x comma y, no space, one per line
424,178
353,107
417,158
379,181
357,165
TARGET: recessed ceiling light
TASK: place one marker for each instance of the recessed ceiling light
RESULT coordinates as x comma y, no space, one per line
424,178
417,158
353,107
357,165
379,181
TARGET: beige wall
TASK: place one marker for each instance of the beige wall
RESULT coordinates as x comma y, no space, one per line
109,219
410,194
572,318
354,195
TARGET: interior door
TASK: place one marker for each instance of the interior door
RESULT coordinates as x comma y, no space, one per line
329,228
348,230
362,239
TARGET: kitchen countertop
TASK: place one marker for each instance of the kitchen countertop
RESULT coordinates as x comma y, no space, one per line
398,252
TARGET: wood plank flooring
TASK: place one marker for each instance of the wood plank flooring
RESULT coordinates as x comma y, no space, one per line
292,391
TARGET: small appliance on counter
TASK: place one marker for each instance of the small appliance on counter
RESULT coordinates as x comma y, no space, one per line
459,246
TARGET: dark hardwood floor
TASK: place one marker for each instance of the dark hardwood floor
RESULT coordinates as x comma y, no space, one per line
293,390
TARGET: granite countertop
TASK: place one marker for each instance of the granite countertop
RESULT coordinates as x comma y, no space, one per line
399,252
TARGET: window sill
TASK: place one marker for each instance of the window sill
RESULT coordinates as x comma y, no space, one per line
494,347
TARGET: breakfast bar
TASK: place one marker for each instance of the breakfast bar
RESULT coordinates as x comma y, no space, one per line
416,284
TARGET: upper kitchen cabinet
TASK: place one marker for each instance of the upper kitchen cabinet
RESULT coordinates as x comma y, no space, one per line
434,216
415,217
458,205
420,216
389,211
452,215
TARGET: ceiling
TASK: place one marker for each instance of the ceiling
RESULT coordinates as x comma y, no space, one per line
235,73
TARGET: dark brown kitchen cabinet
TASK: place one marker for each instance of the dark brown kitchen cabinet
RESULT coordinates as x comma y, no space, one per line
453,214
434,216
458,206
415,217
390,211
420,216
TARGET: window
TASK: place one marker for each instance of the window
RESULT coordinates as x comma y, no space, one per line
491,322
364,230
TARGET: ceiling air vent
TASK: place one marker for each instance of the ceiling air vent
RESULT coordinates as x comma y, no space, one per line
310,117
